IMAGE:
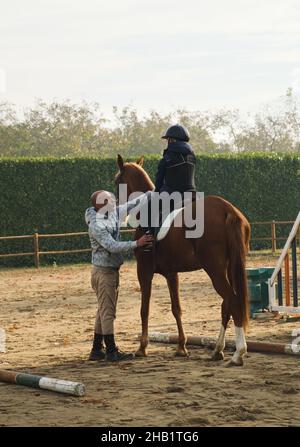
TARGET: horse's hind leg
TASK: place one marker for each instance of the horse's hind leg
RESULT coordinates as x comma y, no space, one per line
224,289
240,341
229,307
173,284
218,353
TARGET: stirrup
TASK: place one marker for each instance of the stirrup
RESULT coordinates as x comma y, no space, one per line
147,248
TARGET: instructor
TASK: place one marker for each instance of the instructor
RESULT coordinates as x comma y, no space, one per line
104,219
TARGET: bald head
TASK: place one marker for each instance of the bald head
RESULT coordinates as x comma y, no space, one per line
103,198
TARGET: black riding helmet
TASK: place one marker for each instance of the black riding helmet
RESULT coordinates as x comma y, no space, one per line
177,132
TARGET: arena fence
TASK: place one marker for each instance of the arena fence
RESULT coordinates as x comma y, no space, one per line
36,243
270,226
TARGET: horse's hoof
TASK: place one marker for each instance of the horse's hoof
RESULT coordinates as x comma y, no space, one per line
181,353
216,355
141,353
237,362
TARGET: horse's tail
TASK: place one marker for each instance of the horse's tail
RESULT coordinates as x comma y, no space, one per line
238,237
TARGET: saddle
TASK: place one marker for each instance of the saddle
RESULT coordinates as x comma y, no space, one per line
163,221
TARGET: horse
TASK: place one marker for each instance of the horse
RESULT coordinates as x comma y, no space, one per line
221,251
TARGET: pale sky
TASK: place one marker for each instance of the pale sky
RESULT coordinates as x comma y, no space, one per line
161,55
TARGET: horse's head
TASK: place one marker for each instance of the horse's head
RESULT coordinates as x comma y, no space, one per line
133,175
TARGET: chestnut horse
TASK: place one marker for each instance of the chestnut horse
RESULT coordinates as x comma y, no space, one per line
220,251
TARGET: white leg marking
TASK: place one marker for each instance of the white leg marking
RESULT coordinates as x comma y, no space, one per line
220,345
240,343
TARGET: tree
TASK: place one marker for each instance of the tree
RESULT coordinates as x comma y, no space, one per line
63,129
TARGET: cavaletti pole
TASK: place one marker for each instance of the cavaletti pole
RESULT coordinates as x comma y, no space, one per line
209,342
45,383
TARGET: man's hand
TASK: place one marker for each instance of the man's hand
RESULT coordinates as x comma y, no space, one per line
144,240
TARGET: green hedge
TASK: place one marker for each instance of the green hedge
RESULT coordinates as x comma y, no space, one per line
50,195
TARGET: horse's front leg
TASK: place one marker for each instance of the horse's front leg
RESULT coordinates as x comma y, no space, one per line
145,280
173,284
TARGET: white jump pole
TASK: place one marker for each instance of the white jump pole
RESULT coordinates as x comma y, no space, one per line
209,342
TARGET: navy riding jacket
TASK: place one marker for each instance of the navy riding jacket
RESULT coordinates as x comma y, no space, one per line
176,170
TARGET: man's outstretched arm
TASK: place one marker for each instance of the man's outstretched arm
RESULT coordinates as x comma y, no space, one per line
123,210
105,239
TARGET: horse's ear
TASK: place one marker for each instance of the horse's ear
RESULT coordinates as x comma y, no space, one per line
120,162
140,161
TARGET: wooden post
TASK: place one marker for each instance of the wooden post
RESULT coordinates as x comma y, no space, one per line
36,250
287,280
273,235
299,238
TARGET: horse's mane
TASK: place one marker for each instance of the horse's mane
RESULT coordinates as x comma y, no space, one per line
135,169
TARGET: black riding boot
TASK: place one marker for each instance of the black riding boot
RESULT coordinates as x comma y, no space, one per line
113,354
97,352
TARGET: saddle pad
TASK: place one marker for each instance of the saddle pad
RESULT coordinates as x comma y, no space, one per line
164,229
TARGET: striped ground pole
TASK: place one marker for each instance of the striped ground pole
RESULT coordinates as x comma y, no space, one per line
45,383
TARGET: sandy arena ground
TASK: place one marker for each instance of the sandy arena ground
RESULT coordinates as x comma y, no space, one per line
49,314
